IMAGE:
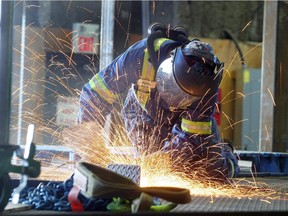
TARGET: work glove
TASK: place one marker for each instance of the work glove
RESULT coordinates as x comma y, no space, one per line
212,159
184,147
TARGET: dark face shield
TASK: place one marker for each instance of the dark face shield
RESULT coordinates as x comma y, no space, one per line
201,76
180,84
169,91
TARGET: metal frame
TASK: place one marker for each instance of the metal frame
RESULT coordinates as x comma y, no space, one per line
5,71
268,76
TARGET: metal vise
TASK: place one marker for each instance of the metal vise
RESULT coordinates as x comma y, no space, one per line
28,168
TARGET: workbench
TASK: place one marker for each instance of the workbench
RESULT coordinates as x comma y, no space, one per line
201,205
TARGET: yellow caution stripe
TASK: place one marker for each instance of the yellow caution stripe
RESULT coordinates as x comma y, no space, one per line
147,79
196,127
144,83
159,42
97,84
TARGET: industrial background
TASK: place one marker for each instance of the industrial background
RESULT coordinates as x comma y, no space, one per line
43,58
235,29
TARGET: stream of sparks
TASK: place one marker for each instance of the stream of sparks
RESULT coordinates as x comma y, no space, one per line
156,169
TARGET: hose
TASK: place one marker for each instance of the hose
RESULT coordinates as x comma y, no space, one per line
231,37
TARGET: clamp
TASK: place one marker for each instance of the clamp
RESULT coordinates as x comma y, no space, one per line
28,168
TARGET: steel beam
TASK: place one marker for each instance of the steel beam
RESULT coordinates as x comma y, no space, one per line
268,76
107,32
5,68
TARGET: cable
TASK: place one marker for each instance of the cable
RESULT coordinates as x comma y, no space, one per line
231,37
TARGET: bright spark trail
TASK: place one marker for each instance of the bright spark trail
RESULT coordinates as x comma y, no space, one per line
87,141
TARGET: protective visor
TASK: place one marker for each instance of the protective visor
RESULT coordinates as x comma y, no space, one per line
168,89
202,75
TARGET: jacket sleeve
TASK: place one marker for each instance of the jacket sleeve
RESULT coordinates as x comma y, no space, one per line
197,139
197,128
100,94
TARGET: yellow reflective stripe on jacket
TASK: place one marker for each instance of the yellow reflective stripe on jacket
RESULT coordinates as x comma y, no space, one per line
148,72
196,127
147,78
159,42
147,68
97,84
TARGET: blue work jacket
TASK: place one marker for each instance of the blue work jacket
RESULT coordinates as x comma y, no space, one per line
194,127
108,85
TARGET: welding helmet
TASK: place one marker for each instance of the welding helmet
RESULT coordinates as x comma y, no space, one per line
190,72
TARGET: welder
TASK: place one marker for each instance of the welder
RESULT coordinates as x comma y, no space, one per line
171,86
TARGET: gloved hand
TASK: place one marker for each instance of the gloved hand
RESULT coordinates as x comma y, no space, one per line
183,150
231,161
222,163
213,160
